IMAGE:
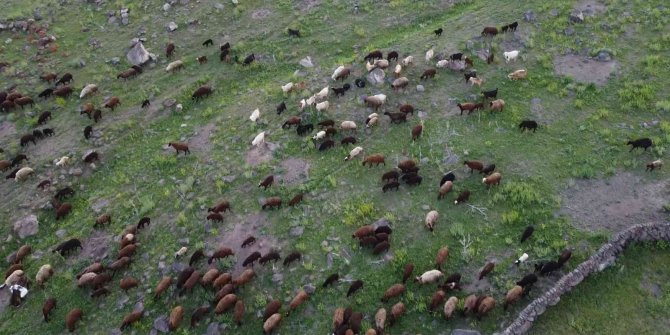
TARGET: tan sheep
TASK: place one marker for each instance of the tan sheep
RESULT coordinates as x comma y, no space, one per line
431,219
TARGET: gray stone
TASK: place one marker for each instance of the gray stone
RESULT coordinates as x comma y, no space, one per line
138,55
76,172
27,226
124,21
111,19
465,332
309,288
420,88
172,26
81,63
229,179
123,299
376,76
115,61
307,62
577,16
604,56
422,115
167,103
329,260
381,223
529,16
184,241
161,324
569,31
61,233
213,329
469,44
184,2
178,267
37,15
277,278
296,231
554,12
166,7
219,6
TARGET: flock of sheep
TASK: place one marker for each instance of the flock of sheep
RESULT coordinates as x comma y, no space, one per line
227,296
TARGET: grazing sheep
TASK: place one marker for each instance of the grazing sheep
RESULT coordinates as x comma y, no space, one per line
513,295
281,108
169,50
437,299
48,77
348,140
22,101
527,281
127,74
179,146
510,55
71,319
442,64
527,233
408,60
97,115
493,179
130,319
462,197
393,291
428,277
259,139
396,312
416,131
450,307
518,75
486,270
112,103
371,120
23,174
272,202
363,231
444,189
23,251
341,90
400,83
304,129
497,105
391,175
486,305
127,283
222,206
377,54
255,115
469,106
397,117
88,90
46,93
438,32
548,267
65,79
181,252
429,54
492,94
441,257
162,286
42,119
390,186
44,184
521,259
201,60
287,87
63,92
638,143
489,31
341,73
429,73
176,315
249,59
530,124
322,94
565,256
657,164
510,27
271,323
202,91
476,81
474,165
353,153
48,132
376,159
220,253
348,125
27,138
298,300
267,182
63,161
48,306
322,106
320,135
174,66
397,70
7,105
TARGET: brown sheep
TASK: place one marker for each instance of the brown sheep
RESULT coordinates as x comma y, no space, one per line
222,280
5,165
450,307
112,103
209,277
226,303
45,272
202,60
490,31
71,319
437,299
497,105
513,295
103,219
127,74
396,312
292,121
23,251
238,312
267,182
13,268
376,159
130,319
198,314
202,91
162,286
27,138
179,146
95,268
271,323
416,131
222,206
87,109
272,202
343,74
295,200
486,270
7,105
127,251
216,217
222,252
63,92
86,279
48,77
244,277
169,50
224,291
470,304
271,308
485,306
374,102
300,298
101,279
474,165
119,264
338,317
430,73
363,231
444,189
63,210
493,179
469,106
441,257
128,282
91,157
176,315
22,101
48,306
393,291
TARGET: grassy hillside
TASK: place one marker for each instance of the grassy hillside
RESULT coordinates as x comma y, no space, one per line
579,148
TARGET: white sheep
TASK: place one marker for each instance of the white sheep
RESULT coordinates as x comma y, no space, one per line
179,108
353,153
372,120
23,174
408,60
322,106
302,104
13,278
382,63
429,276
323,93
369,66
319,135
255,115
521,259
174,66
287,88
518,74
476,81
510,55
431,219
348,125
429,54
311,101
88,90
63,161
381,97
45,272
259,139
337,71
398,69
442,63
181,252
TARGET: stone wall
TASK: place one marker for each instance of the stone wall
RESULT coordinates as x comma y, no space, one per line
602,259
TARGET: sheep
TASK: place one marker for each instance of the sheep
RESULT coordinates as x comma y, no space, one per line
174,66
23,174
564,257
304,129
271,323
259,139
497,105
474,165
267,182
438,32
22,101
429,54
48,132
320,135
397,70
510,27
63,92
88,90
341,73
441,257
65,79
371,120
490,31
162,286
412,179
486,270
63,161
382,64
640,143
428,277
548,267
176,315
377,54
97,115
530,124
322,106
376,159
179,146
442,64
46,93
476,81
323,93
340,91
272,202
326,145
348,125
7,105
23,251
353,153
201,60
13,278
469,106
181,252
493,179
287,87
416,131
527,281
521,259
396,312
408,60
380,320
123,262
127,74
130,319
462,197
437,299
450,307
492,94
396,117
400,83
47,307
393,291
513,295
112,103
486,305
255,115
45,272
374,102
429,73
48,77
657,164
127,283
71,319
202,91
518,75
510,55
444,189
390,186
527,233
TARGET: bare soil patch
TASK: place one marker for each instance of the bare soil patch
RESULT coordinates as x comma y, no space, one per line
591,7
260,14
309,4
584,70
96,246
7,133
200,142
295,170
259,155
615,203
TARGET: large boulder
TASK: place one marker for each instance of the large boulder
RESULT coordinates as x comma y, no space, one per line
26,226
376,77
138,55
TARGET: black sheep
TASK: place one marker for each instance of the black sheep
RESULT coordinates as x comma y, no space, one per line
393,55
348,140
390,186
326,145
640,143
64,193
46,93
304,129
449,176
248,60
38,134
146,103
527,233
492,94
208,43
48,132
87,132
528,125
438,32
18,159
68,246
281,108
360,83
27,138
331,279
293,32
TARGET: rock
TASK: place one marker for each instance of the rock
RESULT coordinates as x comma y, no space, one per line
376,76
277,278
569,31
124,21
167,103
161,265
81,63
166,7
425,160
138,55
184,2
329,260
307,62
99,205
172,26
422,115
554,12
37,15
296,231
115,61
529,16
469,44
309,288
465,332
425,207
381,223
420,88
111,19
184,241
604,56
161,324
178,266
213,329
123,299
179,108
229,179
61,233
28,226
76,172
576,16
219,6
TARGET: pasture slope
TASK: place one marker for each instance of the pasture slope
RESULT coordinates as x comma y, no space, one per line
592,86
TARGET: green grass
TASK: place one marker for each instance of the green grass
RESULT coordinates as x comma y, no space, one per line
138,177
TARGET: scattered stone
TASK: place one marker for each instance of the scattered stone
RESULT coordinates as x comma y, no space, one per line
569,31
138,55
420,88
307,62
277,278
422,115
425,160
529,16
167,103
76,172
469,44
178,266
161,324
604,56
229,179
296,231
123,299
576,16
115,61
37,15
166,7
28,226
376,76
213,329
99,205
219,6
61,233
465,332
81,63
329,260
425,207
554,12
309,288
172,26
